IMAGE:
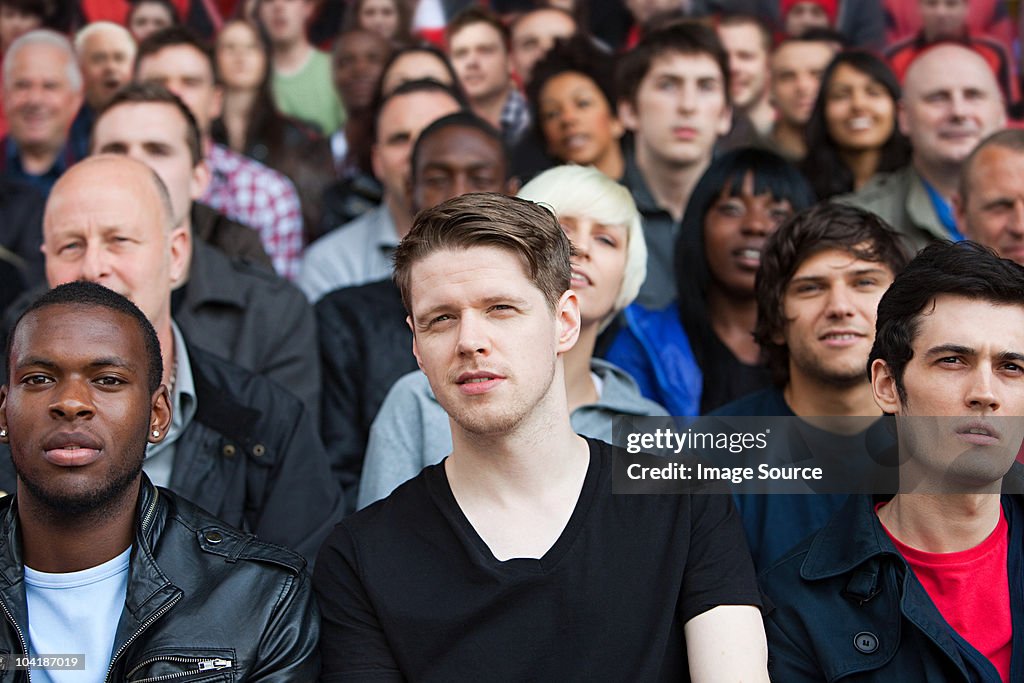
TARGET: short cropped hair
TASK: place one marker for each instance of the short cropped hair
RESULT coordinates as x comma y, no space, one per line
459,119
584,191
410,87
683,37
96,27
174,36
487,219
154,93
963,269
44,36
763,31
478,15
824,226
90,294
1010,138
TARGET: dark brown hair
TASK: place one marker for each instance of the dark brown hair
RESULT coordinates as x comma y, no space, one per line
824,226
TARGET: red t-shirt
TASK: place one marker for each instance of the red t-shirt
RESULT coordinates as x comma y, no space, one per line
971,588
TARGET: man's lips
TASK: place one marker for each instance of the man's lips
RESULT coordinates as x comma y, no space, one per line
478,382
684,133
979,433
71,449
841,338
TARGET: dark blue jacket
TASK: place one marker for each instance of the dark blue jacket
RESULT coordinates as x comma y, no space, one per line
847,608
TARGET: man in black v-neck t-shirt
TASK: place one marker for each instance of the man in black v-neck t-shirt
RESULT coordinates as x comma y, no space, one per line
511,559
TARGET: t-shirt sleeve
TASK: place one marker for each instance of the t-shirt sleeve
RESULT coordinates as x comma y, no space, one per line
353,646
719,569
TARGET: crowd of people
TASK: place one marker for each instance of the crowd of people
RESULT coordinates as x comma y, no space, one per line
378,275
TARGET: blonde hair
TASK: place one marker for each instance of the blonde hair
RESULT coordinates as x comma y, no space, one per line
584,191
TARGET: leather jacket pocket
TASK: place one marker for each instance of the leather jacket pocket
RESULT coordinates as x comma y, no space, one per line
174,666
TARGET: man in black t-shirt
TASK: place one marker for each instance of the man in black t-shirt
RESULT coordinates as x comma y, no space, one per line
511,559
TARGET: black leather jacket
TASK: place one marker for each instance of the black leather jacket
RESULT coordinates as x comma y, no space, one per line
205,601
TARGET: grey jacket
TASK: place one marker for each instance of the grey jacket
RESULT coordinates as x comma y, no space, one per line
901,200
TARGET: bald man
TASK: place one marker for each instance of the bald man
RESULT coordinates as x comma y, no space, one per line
239,445
990,202
950,102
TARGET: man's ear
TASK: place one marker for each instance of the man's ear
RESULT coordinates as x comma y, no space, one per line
960,213
217,102
3,414
159,415
199,180
415,349
883,386
724,122
513,185
628,115
902,120
567,311
181,255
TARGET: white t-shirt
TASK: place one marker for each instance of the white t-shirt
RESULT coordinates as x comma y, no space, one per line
76,613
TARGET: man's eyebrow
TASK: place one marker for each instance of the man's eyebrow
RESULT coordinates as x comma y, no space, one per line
1010,356
112,361
955,349
36,361
104,362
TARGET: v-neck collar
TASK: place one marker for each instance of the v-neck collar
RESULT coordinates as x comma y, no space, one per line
441,492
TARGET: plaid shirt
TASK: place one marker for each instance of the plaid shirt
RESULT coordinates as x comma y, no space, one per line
248,192
515,117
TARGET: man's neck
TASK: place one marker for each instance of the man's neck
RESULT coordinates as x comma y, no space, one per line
808,397
518,489
56,543
38,159
943,523
579,385
789,139
943,177
762,115
290,58
518,464
489,108
670,184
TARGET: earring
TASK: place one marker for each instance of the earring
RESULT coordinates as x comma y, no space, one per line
156,432
3,433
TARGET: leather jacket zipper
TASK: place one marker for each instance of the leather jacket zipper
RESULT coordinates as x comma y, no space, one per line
21,636
156,615
202,664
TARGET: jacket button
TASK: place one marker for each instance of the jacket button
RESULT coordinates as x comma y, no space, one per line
229,450
258,450
865,642
213,537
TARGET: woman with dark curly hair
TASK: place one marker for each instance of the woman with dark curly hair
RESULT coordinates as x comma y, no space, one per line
699,353
852,133
573,100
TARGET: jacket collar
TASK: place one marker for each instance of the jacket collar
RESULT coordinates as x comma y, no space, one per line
850,539
150,591
211,279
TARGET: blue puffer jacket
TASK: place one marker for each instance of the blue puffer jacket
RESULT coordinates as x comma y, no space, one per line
654,349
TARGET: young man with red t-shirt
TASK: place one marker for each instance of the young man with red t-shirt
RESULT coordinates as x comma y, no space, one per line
928,585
